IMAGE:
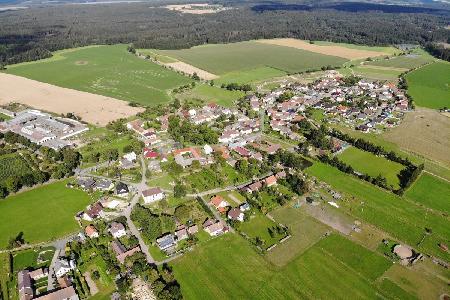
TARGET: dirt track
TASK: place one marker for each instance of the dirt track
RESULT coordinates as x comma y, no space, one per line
338,51
189,69
92,108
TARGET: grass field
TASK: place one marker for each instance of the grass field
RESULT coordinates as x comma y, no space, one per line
368,163
12,164
5,272
214,94
376,73
431,192
42,214
228,268
253,75
105,70
388,50
221,59
403,219
403,62
429,86
258,226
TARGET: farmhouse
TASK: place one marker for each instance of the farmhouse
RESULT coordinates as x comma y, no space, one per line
25,280
152,195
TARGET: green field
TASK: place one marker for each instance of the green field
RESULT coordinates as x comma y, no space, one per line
376,73
253,75
403,219
42,214
429,86
368,163
431,192
214,94
258,226
12,164
105,70
228,268
385,49
221,59
403,62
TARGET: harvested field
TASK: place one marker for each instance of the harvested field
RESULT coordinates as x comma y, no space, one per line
338,51
197,8
425,132
189,69
94,109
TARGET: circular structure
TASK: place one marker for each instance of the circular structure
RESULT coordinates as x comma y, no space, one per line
403,251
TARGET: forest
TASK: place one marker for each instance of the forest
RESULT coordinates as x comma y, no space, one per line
32,33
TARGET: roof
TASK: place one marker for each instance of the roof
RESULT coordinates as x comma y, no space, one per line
234,213
121,188
62,294
166,241
216,200
90,230
152,192
270,180
116,227
403,251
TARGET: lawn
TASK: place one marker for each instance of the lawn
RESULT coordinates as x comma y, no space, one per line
403,62
42,214
5,272
369,163
228,268
432,192
105,70
12,165
429,86
253,75
221,59
403,219
214,94
377,73
258,226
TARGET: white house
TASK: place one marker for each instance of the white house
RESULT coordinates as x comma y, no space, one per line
63,266
207,149
130,156
117,230
152,195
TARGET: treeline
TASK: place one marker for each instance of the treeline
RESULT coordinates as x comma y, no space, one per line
30,34
186,132
237,87
438,50
290,160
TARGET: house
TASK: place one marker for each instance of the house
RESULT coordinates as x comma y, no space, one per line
121,190
86,183
121,252
270,181
126,164
152,195
244,206
242,151
207,149
253,187
94,211
155,166
63,266
24,285
117,230
218,202
236,214
91,232
104,185
181,234
192,229
130,156
214,227
166,242
280,175
67,293
150,154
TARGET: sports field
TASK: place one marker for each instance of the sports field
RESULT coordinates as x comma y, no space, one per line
221,59
403,219
429,86
42,214
228,268
368,163
105,70
431,192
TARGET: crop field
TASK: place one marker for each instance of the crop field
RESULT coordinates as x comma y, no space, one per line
228,268
105,70
221,59
41,214
409,61
368,163
376,73
386,50
12,164
254,75
402,219
429,86
432,192
214,94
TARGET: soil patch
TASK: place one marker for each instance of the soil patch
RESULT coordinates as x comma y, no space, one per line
189,69
81,62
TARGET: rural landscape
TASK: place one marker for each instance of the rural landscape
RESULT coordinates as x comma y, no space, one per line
224,150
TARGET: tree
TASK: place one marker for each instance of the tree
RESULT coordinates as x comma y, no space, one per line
182,213
95,275
3,192
179,190
12,184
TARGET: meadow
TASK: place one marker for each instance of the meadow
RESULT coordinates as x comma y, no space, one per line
432,192
228,268
221,59
258,226
254,75
42,214
409,61
403,219
12,165
369,163
214,94
429,86
105,70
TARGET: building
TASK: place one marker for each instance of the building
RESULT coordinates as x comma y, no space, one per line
91,232
214,227
121,252
122,190
270,181
104,185
181,234
117,230
24,285
219,203
94,211
152,195
67,293
166,242
63,266
236,214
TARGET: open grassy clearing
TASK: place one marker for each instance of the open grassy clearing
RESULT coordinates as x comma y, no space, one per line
392,290
409,61
384,49
368,163
431,192
429,86
253,75
106,70
258,226
12,165
214,94
227,267
225,58
42,214
376,73
403,219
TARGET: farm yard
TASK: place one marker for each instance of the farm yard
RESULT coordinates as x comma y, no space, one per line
369,163
403,219
350,268
429,86
29,212
105,70
431,192
249,57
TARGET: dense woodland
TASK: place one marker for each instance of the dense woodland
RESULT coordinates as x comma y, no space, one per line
32,33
